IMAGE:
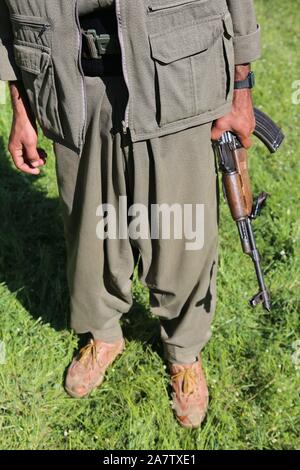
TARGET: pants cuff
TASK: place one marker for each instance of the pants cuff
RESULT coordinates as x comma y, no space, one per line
181,355
108,336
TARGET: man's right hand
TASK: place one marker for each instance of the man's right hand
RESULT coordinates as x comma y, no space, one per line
23,140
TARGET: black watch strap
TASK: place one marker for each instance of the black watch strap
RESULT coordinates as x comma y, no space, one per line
249,82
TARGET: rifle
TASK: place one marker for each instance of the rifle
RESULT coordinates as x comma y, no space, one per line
233,163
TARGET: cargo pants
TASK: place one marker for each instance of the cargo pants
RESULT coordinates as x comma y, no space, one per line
175,169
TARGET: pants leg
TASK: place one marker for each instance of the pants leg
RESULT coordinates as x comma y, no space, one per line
179,169
99,272
175,169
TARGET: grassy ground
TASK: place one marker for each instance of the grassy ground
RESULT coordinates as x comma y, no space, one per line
253,381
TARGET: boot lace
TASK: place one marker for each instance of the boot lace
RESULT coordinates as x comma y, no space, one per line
189,380
87,352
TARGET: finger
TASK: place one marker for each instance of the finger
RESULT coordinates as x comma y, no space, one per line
245,141
17,155
31,155
216,133
25,168
37,164
18,159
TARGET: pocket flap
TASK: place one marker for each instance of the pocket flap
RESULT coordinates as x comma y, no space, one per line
28,58
162,4
186,41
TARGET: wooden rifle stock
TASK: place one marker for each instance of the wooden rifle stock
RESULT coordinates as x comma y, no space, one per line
233,163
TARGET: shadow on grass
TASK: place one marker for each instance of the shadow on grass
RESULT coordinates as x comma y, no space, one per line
32,256
32,252
139,324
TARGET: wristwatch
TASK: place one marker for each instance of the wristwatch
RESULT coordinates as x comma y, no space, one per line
249,82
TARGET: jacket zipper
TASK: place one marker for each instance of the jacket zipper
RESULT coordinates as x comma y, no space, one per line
125,122
44,28
83,91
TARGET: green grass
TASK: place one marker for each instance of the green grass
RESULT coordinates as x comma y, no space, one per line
254,384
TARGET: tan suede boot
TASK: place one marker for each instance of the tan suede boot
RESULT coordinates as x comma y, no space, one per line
87,370
190,393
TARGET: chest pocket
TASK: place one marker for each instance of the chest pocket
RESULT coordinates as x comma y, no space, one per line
165,4
32,51
194,68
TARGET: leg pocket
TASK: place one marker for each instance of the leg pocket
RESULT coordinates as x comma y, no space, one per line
38,78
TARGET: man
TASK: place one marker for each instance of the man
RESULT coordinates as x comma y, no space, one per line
131,93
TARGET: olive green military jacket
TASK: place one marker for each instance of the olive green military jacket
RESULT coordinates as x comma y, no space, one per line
178,61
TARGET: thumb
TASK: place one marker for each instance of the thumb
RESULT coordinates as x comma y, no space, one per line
32,155
216,133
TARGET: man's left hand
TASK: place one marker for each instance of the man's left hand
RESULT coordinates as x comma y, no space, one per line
240,120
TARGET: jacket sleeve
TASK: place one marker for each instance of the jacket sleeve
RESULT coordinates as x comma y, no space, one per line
247,46
8,68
